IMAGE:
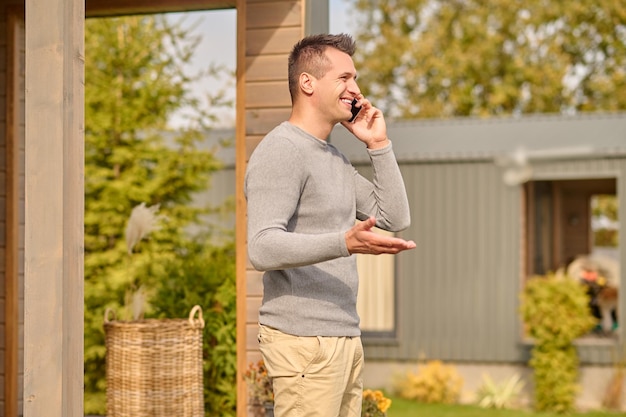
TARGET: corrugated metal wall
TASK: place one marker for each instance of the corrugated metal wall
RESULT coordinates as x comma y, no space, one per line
458,292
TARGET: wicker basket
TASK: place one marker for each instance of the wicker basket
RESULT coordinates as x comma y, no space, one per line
154,367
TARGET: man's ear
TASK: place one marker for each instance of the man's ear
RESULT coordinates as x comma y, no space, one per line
306,82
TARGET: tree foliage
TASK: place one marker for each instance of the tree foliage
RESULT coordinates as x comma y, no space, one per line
446,58
135,81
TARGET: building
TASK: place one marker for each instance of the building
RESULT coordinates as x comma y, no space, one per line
493,202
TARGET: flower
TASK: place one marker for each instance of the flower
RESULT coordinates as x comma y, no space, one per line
259,383
142,221
375,404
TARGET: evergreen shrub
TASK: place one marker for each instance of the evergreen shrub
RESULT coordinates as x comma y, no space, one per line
555,312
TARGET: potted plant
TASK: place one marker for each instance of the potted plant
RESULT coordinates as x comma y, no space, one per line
152,365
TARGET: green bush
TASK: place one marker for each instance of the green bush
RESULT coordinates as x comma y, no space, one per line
434,382
555,312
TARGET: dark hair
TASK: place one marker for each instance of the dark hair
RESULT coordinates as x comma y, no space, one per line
308,56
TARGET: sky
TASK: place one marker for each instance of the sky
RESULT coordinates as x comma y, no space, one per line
217,29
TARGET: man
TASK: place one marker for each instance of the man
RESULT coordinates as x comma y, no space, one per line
303,199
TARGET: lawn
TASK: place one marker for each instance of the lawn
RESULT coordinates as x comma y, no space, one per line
405,408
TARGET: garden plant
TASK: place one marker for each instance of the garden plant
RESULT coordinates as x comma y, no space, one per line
555,311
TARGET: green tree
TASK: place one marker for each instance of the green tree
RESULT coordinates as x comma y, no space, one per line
447,58
135,82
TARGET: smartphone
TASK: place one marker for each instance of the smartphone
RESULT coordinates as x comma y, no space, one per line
355,110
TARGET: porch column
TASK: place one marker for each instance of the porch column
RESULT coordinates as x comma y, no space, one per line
53,260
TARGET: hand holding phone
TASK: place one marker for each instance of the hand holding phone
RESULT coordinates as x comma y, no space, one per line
373,132
355,110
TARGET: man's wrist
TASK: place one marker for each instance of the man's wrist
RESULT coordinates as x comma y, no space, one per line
379,144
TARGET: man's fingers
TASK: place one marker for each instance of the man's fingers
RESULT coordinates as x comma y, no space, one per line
361,239
393,245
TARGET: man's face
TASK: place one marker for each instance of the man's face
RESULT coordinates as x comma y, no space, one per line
336,89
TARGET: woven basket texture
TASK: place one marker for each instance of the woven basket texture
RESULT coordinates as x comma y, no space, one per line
154,367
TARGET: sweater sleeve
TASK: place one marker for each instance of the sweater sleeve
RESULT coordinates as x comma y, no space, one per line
273,184
385,197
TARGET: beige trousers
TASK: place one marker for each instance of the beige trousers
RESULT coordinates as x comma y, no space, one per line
313,376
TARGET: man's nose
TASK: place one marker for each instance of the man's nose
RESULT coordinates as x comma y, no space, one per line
353,87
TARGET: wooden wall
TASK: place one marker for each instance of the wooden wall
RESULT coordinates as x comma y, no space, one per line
270,29
267,30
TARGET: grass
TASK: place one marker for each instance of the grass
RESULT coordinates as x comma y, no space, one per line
406,408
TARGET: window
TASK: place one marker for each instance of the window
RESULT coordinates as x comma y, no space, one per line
376,301
572,226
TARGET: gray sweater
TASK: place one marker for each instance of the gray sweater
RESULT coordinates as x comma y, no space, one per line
303,195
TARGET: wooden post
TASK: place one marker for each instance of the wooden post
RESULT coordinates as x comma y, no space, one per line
14,113
240,209
53,261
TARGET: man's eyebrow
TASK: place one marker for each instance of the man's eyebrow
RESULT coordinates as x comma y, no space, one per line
348,74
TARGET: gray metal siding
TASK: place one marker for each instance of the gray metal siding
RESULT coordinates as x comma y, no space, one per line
458,290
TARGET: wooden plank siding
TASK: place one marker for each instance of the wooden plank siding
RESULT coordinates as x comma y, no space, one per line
267,30
270,29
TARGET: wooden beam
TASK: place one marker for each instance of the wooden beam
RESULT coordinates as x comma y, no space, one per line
54,209
15,27
240,210
102,8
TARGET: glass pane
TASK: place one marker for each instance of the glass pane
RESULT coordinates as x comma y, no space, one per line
375,302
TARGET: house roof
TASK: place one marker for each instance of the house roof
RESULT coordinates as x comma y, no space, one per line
472,139
537,136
